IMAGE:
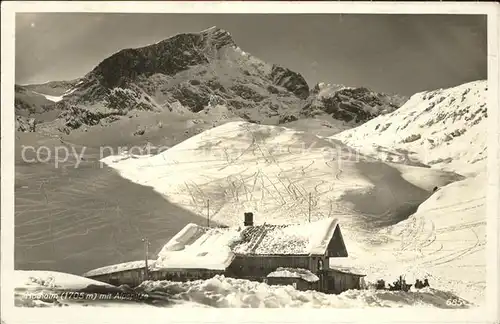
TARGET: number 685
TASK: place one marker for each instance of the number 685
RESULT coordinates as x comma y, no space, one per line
455,302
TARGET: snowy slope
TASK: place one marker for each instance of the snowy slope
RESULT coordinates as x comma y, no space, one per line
195,247
445,129
443,241
55,289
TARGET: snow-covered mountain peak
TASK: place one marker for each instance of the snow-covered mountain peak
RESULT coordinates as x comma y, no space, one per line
194,72
222,36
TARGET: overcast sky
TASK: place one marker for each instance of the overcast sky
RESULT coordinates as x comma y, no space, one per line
390,53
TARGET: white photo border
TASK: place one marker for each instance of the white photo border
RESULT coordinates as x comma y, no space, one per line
11,314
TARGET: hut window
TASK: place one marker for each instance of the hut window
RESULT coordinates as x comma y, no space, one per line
294,285
265,280
320,264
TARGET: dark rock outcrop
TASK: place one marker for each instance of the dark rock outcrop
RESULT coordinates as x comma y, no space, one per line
290,80
352,105
168,57
27,102
24,124
74,117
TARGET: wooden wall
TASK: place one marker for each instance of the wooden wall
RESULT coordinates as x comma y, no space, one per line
135,277
338,282
184,274
261,265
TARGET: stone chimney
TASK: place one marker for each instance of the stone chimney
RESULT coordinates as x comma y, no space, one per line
248,219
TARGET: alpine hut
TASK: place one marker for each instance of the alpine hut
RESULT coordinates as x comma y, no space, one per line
302,255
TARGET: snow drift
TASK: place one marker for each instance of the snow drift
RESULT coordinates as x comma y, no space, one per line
51,288
227,292
32,291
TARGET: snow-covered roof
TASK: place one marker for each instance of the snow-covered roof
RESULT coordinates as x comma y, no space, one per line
348,270
299,239
118,267
199,247
294,273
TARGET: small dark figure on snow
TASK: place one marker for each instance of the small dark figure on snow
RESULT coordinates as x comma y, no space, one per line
426,282
396,285
380,284
435,189
419,284
400,284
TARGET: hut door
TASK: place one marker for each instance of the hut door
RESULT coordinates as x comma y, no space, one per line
331,285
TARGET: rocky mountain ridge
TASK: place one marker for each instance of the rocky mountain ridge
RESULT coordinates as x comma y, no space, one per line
195,72
443,128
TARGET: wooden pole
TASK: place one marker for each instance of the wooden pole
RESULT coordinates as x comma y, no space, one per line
208,212
310,196
146,267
